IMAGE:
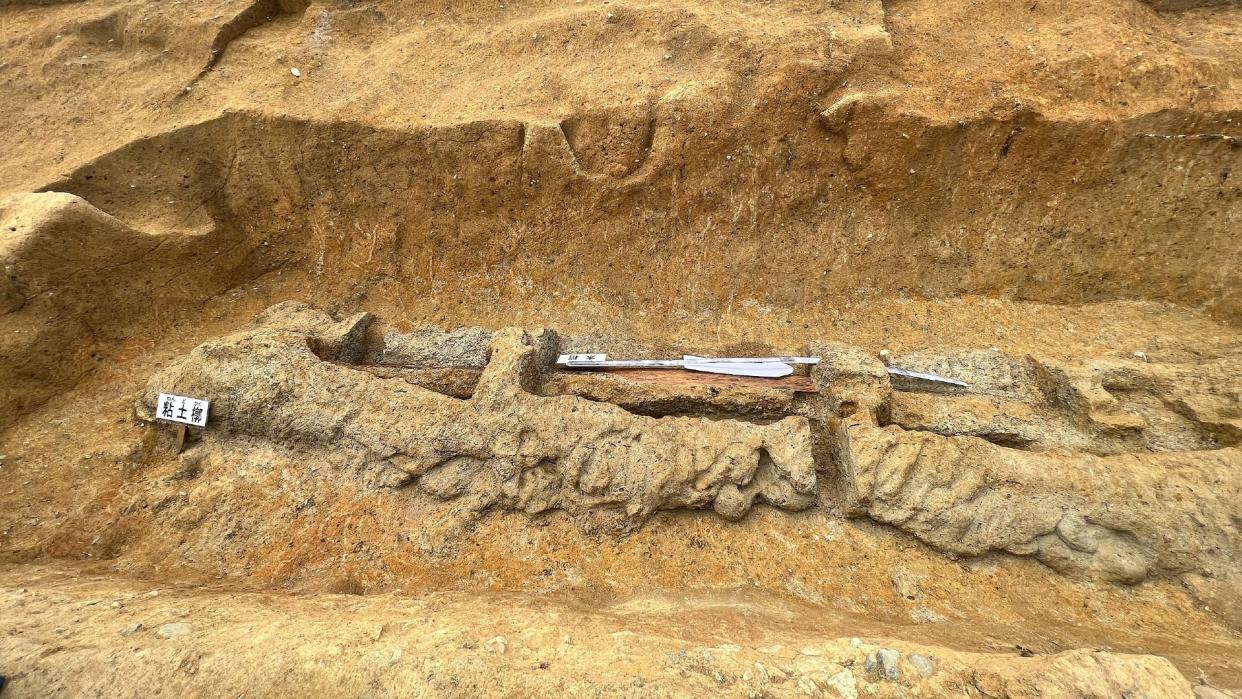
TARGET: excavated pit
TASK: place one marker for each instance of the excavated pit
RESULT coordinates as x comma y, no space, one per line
364,230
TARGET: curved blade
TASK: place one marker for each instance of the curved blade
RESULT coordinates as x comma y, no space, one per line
759,369
926,377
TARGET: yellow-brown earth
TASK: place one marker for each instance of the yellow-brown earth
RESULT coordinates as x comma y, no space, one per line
1056,180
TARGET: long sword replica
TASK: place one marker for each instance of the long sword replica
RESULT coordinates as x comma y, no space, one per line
764,367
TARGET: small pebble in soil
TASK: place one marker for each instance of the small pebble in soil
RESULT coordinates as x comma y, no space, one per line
889,660
175,630
922,663
496,645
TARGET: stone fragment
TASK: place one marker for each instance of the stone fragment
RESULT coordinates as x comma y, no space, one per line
845,685
496,644
922,664
174,630
906,584
890,663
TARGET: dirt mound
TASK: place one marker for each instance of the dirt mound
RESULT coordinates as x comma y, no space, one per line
1040,199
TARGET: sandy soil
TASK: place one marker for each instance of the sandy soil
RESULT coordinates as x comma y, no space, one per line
1056,179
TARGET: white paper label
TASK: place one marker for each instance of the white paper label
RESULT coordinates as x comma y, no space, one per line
581,358
183,409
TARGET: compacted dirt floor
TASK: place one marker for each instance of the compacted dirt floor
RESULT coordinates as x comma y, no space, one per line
1039,198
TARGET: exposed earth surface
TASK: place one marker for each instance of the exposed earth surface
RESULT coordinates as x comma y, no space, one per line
364,230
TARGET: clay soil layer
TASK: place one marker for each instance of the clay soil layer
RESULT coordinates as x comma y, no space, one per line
364,228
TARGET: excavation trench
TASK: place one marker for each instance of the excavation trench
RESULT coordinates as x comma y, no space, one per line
1039,201
487,222
943,210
